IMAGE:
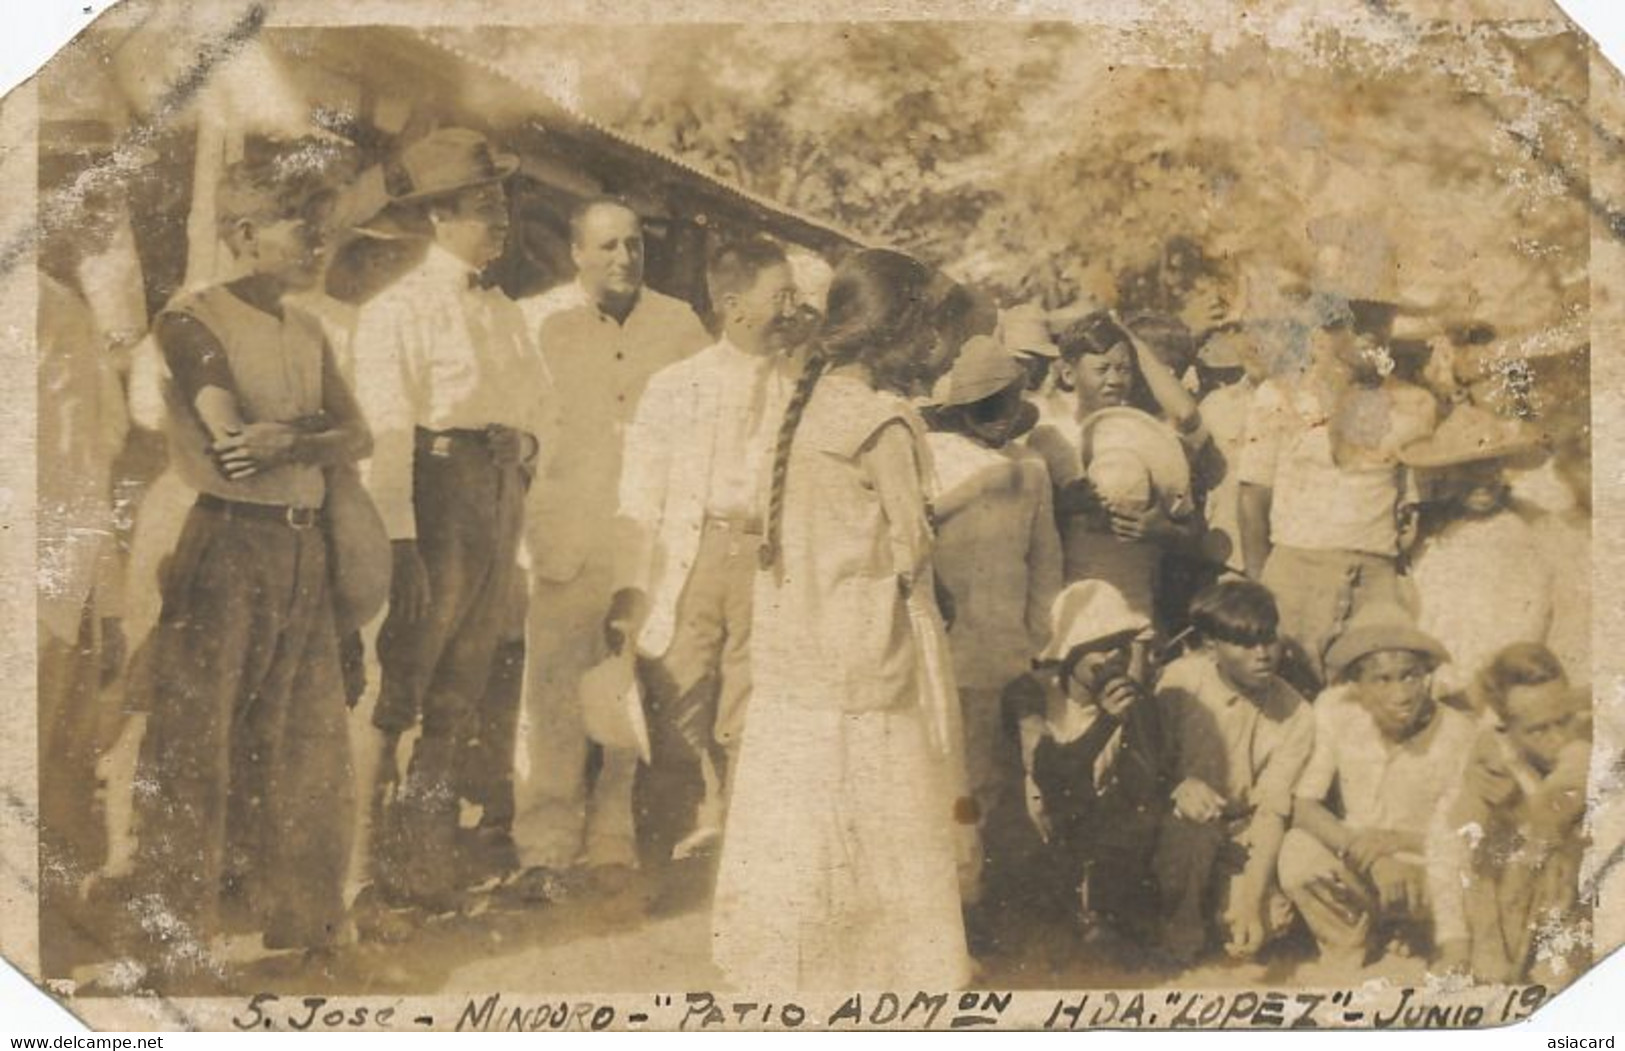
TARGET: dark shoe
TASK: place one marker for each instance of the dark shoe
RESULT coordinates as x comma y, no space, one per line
488,854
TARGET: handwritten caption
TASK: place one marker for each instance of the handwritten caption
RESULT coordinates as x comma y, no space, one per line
1393,1008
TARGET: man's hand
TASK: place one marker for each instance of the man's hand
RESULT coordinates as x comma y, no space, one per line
1244,927
1367,846
257,447
1195,801
623,621
409,592
1152,523
1078,498
1399,886
1491,784
1119,696
510,447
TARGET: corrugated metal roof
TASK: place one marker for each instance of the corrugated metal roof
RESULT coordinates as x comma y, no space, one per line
822,230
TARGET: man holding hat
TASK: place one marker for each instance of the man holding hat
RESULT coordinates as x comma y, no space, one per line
1358,873
692,496
455,391
998,552
603,336
1321,482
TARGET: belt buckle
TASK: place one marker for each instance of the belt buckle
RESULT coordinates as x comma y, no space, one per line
301,517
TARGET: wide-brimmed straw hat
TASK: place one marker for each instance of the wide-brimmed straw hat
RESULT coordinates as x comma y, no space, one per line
983,369
447,161
1151,440
1375,628
612,706
1470,434
1023,330
1089,612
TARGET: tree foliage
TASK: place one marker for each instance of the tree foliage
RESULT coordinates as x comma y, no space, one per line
1062,162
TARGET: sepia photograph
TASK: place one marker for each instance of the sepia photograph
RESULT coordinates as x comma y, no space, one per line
1049,520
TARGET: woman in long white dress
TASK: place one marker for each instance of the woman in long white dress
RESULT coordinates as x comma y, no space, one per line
838,866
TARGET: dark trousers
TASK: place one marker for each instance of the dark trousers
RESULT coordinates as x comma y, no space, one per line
437,668
243,785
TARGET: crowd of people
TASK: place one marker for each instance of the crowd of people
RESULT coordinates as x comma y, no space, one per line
923,622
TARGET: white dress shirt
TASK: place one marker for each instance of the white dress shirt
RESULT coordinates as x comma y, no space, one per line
751,395
435,351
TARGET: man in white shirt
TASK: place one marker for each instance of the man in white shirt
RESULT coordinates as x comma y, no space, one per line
602,337
455,392
1321,484
693,492
1358,874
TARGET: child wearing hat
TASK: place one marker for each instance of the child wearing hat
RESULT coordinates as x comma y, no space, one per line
997,553
1091,768
1480,578
1240,737
1504,868
1024,333
1385,753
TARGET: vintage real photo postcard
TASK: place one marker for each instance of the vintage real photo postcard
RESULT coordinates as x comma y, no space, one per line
807,516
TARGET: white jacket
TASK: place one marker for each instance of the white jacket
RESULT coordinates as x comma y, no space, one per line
665,479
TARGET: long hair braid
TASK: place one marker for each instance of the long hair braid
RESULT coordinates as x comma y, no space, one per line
877,301
793,410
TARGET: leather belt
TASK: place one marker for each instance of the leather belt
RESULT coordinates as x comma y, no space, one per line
292,517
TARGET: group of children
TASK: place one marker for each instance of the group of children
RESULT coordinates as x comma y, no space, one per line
1178,767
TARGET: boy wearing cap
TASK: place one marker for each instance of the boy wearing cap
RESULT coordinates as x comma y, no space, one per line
1482,581
1091,768
998,553
1505,861
1240,736
1386,752
455,391
243,786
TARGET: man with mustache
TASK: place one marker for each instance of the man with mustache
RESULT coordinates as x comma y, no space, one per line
603,336
692,496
